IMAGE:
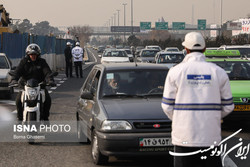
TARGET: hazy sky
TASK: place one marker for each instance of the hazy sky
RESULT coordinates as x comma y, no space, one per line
99,12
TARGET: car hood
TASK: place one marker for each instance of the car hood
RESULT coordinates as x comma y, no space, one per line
115,59
4,73
240,88
132,109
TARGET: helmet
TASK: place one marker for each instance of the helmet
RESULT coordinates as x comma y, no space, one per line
77,44
68,43
33,49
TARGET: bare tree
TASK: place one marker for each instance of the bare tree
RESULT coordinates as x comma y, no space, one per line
82,33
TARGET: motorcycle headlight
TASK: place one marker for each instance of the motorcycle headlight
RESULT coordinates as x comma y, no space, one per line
32,93
116,125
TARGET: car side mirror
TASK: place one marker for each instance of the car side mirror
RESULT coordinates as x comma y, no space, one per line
87,95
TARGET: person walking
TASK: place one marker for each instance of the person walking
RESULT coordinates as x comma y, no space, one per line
197,95
77,53
68,60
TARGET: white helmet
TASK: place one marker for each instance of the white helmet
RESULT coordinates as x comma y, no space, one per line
77,44
68,43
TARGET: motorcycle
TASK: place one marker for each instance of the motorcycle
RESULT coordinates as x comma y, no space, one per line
33,98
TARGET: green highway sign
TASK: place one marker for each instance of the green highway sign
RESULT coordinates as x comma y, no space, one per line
161,25
202,24
145,25
178,25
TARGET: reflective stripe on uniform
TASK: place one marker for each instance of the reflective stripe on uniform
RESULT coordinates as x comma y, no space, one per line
168,101
227,101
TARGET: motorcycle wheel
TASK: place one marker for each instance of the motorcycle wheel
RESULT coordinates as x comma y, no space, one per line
31,118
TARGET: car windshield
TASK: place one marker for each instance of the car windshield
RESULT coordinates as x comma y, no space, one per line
115,54
170,58
149,53
3,63
236,70
133,83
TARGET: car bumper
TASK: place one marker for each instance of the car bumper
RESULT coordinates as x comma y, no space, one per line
127,144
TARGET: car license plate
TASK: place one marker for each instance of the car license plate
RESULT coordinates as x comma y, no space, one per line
242,108
155,142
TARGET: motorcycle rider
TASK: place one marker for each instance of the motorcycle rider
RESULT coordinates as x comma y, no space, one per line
33,66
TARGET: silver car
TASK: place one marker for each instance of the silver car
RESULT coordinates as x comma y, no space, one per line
5,67
119,111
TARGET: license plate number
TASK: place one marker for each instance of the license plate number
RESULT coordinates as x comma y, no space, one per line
156,142
242,108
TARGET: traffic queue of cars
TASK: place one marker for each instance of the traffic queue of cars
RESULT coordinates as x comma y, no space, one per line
119,109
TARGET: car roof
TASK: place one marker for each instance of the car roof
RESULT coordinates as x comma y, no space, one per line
131,66
235,46
227,60
170,52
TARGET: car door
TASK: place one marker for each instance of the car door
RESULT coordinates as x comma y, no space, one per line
86,105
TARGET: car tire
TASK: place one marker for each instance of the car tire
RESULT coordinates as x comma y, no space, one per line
97,156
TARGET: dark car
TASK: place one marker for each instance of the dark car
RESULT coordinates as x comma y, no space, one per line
147,55
119,111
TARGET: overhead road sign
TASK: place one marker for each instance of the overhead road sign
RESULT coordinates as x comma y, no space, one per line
178,26
161,25
125,29
202,24
145,25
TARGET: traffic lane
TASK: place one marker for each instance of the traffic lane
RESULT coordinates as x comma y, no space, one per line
67,154
53,154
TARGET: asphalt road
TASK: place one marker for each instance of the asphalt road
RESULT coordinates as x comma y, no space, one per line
63,154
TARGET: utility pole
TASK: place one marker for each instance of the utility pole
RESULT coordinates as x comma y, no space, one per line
118,18
131,17
124,4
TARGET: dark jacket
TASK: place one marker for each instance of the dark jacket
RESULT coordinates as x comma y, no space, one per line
68,54
28,69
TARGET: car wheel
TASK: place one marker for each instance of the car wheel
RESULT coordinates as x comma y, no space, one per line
97,156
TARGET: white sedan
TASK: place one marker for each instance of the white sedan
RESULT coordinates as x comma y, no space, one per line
114,56
5,67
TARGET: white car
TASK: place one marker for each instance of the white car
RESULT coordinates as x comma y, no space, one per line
169,58
172,49
130,54
156,47
5,67
114,56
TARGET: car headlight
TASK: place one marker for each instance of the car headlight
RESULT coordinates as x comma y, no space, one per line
115,125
